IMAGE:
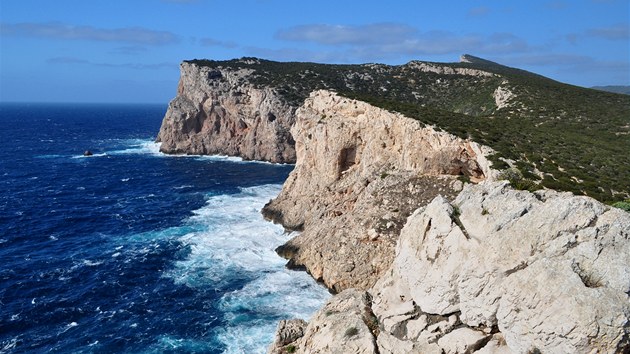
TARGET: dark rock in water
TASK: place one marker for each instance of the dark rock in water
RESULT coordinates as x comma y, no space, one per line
87,153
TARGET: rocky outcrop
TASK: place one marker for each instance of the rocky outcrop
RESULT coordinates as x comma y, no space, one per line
360,173
505,271
341,326
218,111
448,70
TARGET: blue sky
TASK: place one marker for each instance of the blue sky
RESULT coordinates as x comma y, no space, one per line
130,50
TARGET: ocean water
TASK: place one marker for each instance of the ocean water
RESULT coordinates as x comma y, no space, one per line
130,250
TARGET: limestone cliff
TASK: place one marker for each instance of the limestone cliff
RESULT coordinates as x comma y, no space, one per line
217,111
494,271
360,173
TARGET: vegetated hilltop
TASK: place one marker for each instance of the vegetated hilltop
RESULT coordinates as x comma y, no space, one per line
556,135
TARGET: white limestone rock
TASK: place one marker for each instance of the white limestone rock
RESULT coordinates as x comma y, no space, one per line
339,327
217,111
549,270
360,172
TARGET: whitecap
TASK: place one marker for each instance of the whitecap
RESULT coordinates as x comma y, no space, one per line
139,147
89,263
230,244
124,179
5,346
90,156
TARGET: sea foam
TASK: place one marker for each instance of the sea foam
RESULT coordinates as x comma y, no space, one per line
233,245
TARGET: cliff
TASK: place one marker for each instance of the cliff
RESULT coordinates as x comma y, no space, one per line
217,111
558,136
360,172
418,264
422,267
493,271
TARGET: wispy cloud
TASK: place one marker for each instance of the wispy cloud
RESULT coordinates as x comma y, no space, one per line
211,42
557,5
130,50
378,33
572,63
137,66
388,40
478,11
57,30
620,31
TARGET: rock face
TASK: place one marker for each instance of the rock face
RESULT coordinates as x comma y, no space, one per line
217,111
341,326
360,173
499,271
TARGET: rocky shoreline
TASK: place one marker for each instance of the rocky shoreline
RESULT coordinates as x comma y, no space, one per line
420,261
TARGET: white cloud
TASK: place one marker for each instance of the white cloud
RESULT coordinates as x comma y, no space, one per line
211,42
619,31
387,40
378,33
137,66
57,30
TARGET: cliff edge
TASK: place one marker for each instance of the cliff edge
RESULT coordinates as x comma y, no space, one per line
217,111
360,172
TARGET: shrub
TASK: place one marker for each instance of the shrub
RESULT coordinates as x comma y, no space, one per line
625,205
352,331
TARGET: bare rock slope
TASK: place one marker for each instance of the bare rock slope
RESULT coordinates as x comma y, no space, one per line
360,173
217,111
496,271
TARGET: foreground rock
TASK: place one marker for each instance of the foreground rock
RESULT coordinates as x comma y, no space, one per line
360,173
499,271
217,111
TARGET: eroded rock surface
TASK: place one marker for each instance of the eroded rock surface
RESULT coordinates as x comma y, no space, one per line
360,173
217,111
503,271
547,270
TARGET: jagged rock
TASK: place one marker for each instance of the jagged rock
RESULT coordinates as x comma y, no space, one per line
339,327
288,331
462,340
496,345
360,173
217,111
548,270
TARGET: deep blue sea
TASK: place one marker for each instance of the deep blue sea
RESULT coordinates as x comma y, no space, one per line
130,250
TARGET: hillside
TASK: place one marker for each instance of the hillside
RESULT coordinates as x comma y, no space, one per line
557,135
615,89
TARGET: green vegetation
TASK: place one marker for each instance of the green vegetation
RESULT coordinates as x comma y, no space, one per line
352,331
290,348
625,205
556,135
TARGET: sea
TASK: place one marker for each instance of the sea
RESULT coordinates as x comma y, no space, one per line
130,250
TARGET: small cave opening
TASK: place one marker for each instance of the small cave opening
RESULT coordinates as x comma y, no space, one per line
347,158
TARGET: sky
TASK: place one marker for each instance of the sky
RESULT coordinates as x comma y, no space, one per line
129,51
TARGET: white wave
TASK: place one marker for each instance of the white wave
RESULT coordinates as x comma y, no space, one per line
231,243
140,147
89,156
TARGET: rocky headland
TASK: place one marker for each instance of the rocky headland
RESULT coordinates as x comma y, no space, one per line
426,249
220,112
421,267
